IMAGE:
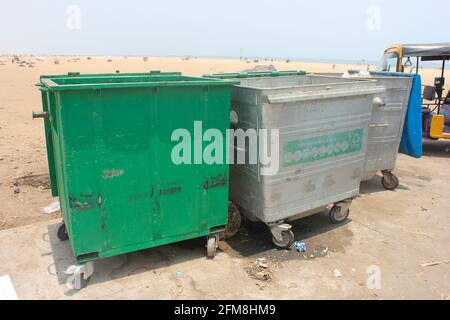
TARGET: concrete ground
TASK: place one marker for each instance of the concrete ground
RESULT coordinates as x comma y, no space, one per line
390,235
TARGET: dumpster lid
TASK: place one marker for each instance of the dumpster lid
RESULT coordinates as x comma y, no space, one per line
255,74
77,81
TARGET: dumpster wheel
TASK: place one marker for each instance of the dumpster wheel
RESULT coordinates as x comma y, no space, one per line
339,214
211,246
234,221
61,232
390,181
78,275
287,240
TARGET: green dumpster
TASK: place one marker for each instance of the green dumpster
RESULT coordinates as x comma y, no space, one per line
109,147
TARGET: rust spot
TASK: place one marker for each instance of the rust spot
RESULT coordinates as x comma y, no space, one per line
221,180
152,192
170,191
77,204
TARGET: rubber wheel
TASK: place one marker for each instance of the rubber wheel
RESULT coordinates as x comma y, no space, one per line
61,233
234,221
211,247
287,242
83,282
338,217
390,181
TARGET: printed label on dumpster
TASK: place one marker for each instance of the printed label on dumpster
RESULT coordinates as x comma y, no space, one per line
319,148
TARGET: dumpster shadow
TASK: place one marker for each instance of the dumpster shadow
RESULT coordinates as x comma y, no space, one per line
436,148
254,240
375,186
126,265
62,255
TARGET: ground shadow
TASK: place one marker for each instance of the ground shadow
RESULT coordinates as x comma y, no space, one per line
374,186
255,239
436,148
125,265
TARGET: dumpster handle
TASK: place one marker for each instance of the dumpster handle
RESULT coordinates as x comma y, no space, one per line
379,102
40,115
308,95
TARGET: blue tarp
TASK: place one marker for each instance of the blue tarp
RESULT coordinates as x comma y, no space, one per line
411,143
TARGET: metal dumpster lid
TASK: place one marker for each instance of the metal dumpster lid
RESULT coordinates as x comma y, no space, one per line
255,74
155,78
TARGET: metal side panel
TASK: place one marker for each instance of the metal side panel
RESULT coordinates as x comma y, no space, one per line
386,125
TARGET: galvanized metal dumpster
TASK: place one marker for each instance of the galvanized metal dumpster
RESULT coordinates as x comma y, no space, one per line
386,124
109,145
323,125
386,128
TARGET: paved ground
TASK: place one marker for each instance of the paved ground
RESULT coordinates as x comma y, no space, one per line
390,232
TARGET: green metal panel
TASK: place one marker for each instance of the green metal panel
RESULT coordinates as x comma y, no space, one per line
49,142
111,146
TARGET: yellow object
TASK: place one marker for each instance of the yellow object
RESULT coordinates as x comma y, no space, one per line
398,50
437,128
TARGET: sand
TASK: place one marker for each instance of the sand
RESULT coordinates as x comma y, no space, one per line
23,162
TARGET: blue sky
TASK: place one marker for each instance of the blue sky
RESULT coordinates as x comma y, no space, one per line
320,29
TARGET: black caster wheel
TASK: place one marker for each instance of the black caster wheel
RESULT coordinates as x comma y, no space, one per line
390,181
61,233
337,215
287,242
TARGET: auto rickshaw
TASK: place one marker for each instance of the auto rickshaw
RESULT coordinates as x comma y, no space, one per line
435,105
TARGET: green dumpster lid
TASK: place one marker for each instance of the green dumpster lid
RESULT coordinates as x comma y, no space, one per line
156,78
255,74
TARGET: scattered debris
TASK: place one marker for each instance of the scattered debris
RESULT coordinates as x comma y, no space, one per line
16,190
51,208
260,285
337,273
293,286
180,274
261,270
300,246
435,263
321,251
